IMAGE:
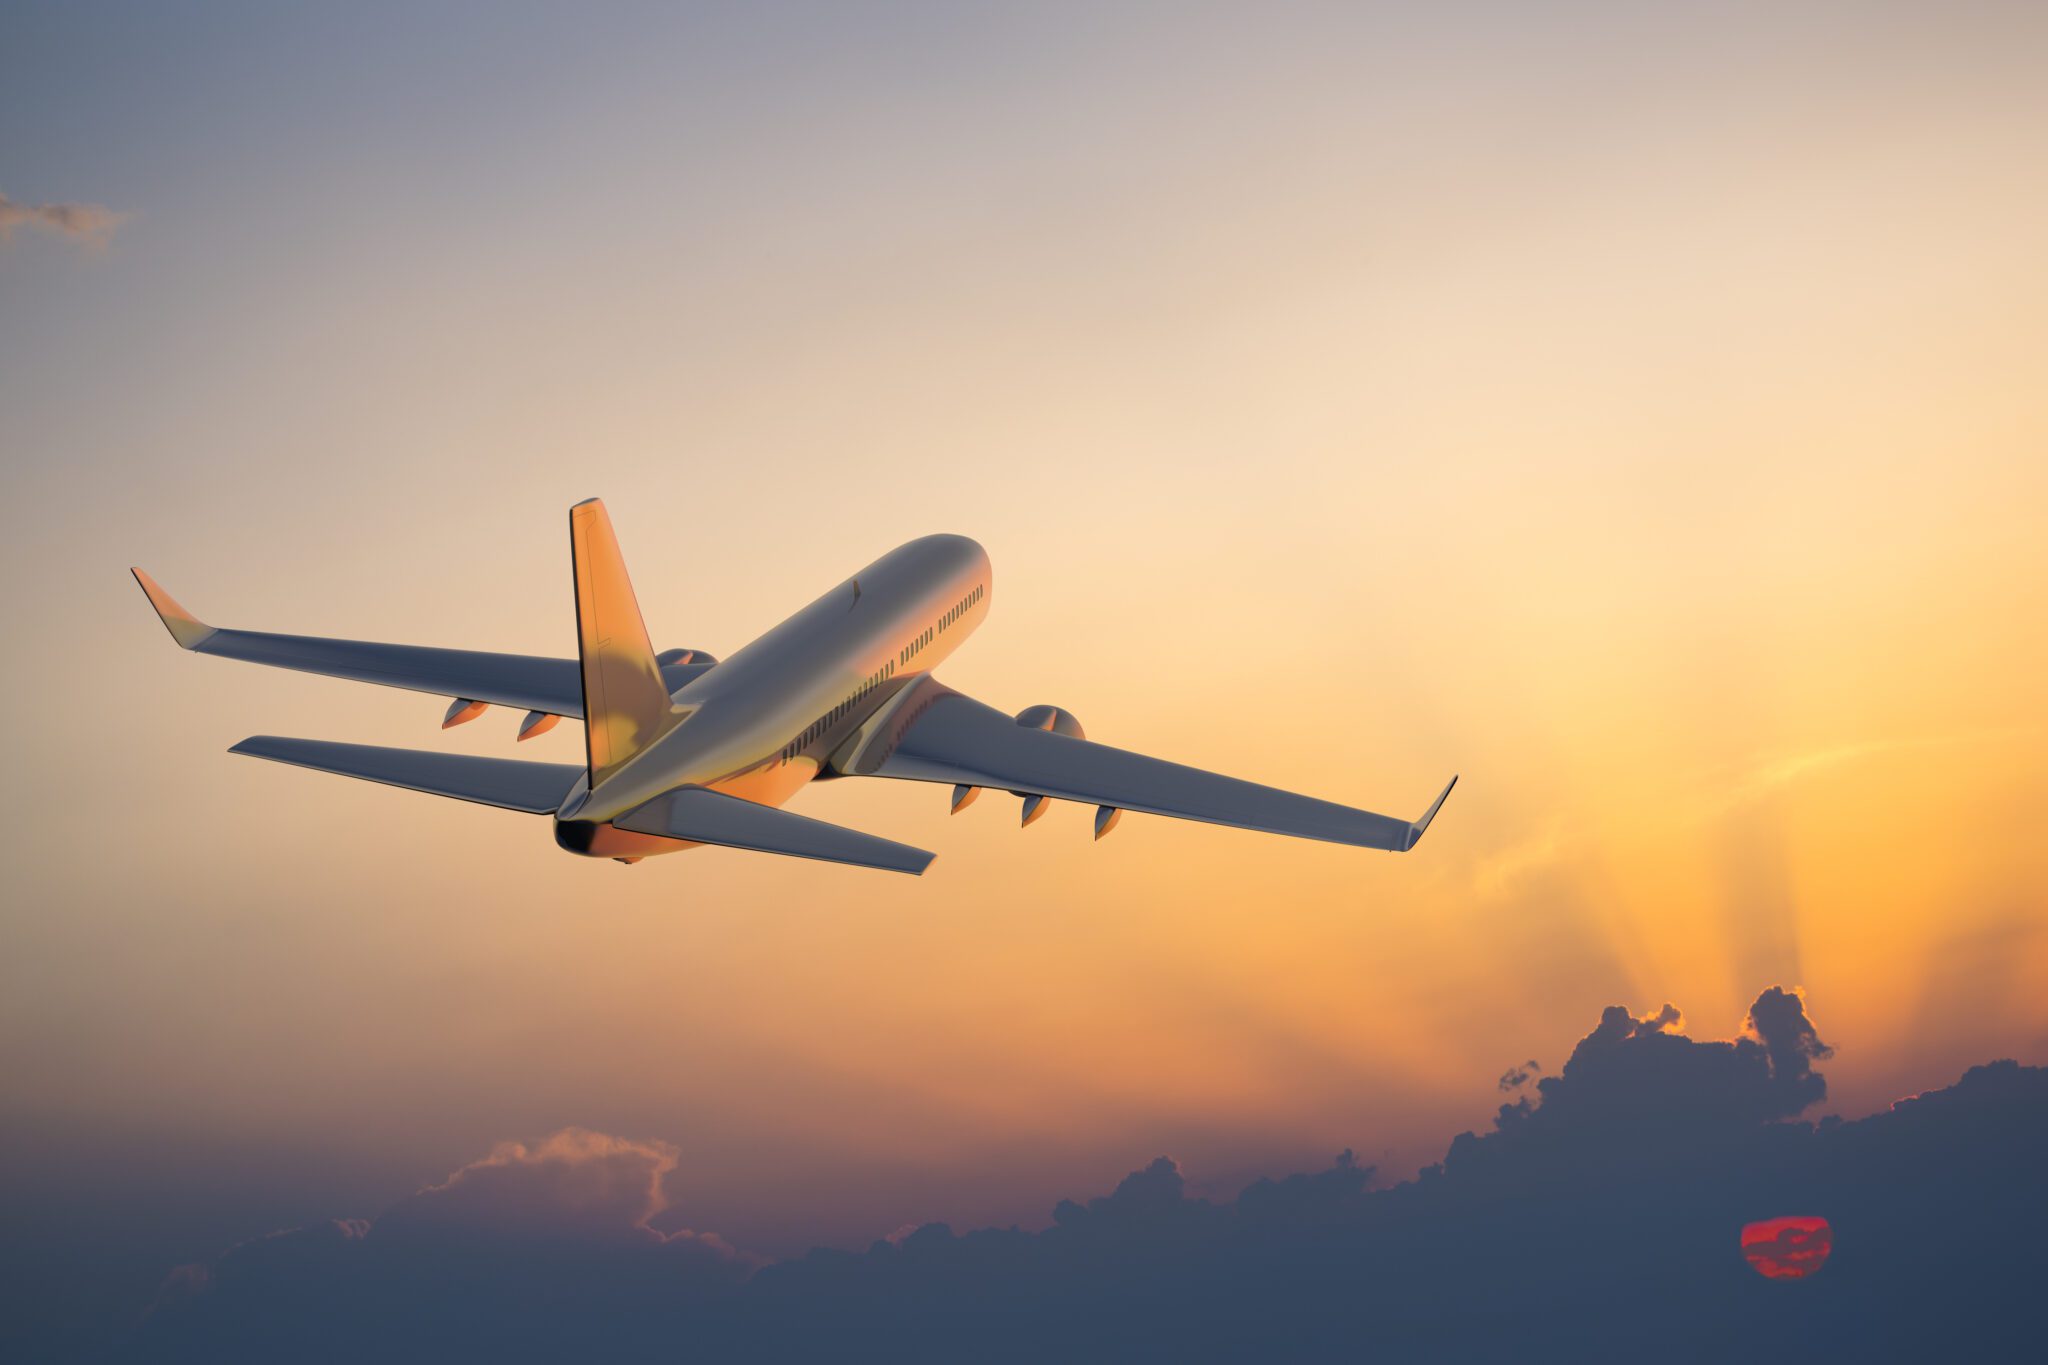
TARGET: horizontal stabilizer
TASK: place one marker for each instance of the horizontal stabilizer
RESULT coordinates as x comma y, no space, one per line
509,783
703,816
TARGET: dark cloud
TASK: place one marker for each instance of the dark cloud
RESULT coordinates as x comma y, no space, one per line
1778,1019
1515,1077
575,1185
1599,1218
520,1255
88,223
1662,1021
1635,1084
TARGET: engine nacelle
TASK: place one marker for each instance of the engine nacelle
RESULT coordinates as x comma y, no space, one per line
670,657
1051,718
1060,723
462,711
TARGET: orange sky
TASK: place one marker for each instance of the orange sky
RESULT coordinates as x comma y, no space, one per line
1642,418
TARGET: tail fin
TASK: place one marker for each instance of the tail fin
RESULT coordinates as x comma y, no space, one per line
626,706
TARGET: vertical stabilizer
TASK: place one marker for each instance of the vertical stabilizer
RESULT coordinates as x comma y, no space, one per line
626,706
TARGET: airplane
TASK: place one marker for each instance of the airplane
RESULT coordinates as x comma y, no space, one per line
683,749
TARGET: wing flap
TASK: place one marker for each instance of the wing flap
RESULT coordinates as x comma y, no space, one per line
703,816
508,783
944,736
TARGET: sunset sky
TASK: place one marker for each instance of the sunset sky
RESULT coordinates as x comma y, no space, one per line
1637,410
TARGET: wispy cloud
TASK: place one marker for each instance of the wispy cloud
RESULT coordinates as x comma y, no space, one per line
1508,867
1772,773
1706,796
92,224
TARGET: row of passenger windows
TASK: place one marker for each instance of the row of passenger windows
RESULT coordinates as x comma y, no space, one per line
953,614
817,728
825,722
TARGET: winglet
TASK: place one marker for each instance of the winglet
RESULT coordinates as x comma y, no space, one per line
188,630
1415,831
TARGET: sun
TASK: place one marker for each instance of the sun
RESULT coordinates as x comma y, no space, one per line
1789,1248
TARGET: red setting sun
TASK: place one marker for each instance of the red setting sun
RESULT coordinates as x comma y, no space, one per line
1787,1248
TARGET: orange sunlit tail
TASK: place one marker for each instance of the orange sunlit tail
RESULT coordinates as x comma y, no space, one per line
626,706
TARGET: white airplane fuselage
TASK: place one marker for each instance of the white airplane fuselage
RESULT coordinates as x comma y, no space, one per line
766,720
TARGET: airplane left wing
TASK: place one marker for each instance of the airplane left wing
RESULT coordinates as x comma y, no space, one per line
934,734
519,680
509,783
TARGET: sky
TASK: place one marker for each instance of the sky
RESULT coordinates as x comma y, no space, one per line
1636,411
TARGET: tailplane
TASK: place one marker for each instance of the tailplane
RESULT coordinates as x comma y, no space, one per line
509,783
703,816
626,705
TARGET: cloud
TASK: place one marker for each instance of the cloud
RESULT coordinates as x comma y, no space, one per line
522,1254
87,223
1599,1217
1778,1019
1769,774
1519,1075
1507,868
575,1184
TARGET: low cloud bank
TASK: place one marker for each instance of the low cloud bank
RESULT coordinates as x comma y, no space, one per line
1599,1218
541,1252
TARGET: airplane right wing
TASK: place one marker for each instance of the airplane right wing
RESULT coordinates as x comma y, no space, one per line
934,734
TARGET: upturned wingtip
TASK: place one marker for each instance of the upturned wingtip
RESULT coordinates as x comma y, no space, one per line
188,630
1416,830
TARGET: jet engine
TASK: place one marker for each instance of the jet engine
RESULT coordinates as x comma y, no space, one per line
1060,722
1051,718
679,666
